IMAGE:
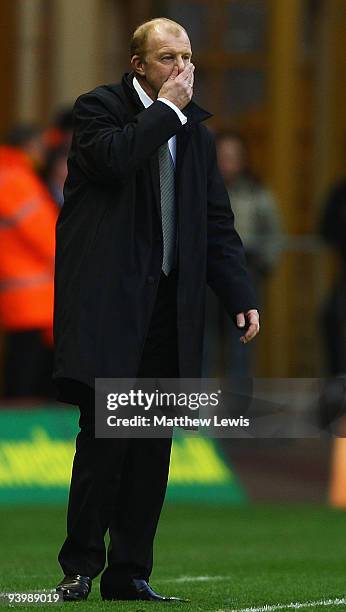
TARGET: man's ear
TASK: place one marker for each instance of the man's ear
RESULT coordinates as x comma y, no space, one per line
138,65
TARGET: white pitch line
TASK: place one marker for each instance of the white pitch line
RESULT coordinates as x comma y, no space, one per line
290,606
193,579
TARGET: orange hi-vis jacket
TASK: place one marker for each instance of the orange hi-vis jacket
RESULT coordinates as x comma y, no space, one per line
27,227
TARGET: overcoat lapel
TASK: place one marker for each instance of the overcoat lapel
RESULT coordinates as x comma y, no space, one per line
155,179
194,114
136,107
183,137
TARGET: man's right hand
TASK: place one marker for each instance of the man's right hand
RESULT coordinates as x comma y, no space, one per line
179,87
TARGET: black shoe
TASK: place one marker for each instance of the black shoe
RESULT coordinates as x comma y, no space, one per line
74,588
137,589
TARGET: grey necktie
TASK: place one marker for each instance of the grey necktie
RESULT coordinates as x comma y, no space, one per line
168,212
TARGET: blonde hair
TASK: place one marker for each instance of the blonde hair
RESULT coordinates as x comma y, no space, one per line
140,36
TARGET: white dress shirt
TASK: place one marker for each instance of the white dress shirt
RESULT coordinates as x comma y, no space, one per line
147,101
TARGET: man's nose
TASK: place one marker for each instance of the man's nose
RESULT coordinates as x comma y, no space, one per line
180,64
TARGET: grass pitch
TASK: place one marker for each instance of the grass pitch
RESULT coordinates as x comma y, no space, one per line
221,558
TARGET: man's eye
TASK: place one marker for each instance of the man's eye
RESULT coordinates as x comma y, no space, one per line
167,57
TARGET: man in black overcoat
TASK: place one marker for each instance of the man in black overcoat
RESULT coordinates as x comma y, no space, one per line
146,223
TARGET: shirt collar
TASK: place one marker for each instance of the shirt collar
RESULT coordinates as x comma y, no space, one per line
143,96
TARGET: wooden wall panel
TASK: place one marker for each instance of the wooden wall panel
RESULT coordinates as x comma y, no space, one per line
8,56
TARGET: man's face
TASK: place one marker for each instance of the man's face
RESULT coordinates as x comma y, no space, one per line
37,151
231,158
165,50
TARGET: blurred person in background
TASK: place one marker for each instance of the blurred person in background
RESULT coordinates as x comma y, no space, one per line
255,210
27,223
55,172
58,138
333,230
258,223
59,134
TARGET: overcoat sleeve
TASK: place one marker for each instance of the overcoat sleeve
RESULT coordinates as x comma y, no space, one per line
107,150
226,265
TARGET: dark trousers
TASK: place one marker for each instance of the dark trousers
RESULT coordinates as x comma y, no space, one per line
120,484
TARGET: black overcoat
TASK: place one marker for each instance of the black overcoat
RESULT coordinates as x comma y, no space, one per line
109,239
